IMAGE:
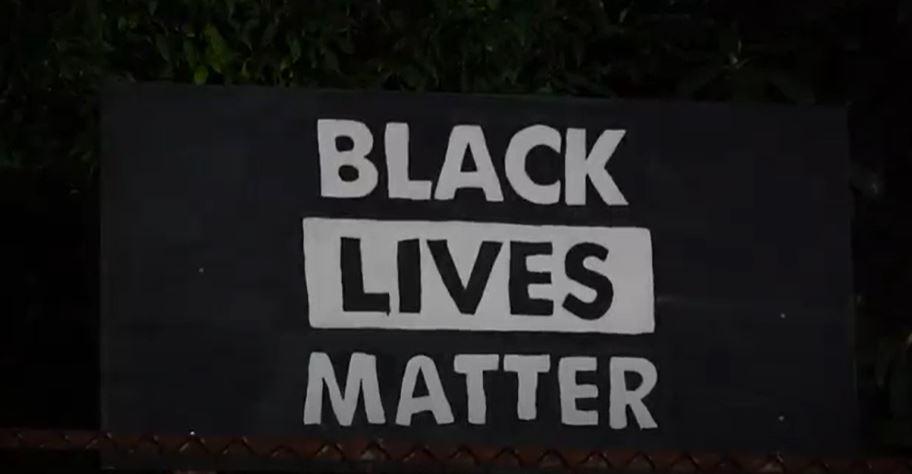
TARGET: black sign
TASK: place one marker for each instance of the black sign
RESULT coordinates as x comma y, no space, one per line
560,272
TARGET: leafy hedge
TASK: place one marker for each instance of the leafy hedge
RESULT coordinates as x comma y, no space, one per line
56,54
60,51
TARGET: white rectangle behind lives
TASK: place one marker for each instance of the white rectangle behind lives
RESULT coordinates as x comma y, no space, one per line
545,274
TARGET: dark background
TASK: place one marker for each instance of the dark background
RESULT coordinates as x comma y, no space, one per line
55,55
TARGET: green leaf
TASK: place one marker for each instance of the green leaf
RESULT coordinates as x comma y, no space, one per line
578,49
249,26
345,45
730,42
268,34
162,45
218,53
330,60
244,74
200,74
294,45
397,19
412,77
866,181
791,87
748,84
190,55
697,80
8,158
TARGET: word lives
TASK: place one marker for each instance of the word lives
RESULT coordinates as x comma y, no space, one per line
427,275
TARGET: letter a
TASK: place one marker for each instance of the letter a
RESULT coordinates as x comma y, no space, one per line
464,138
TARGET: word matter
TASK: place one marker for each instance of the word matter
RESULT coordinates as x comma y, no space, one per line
362,384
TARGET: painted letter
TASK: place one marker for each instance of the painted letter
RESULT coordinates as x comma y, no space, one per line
435,401
396,144
408,264
362,378
332,159
620,398
468,295
578,166
354,296
515,163
473,366
571,391
521,278
465,138
527,368
577,271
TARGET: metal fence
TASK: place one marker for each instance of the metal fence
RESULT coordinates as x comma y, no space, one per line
191,451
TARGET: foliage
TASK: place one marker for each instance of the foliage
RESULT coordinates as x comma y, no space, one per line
55,54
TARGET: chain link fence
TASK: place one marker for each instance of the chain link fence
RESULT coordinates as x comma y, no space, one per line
179,453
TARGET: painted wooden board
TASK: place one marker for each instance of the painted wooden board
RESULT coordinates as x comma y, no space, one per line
516,270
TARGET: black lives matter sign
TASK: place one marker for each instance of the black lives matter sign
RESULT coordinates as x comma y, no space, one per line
465,276
575,273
